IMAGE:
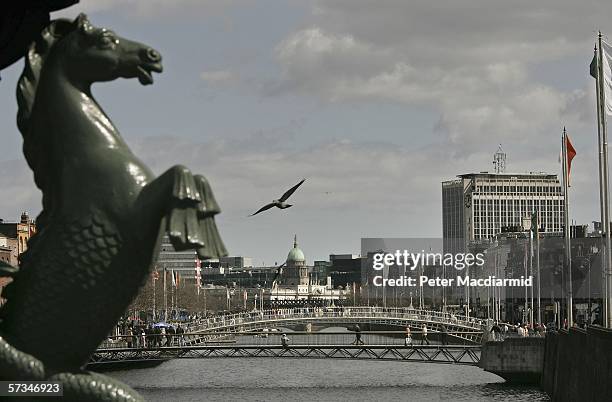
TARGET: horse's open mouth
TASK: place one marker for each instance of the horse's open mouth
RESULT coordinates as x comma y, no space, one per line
144,73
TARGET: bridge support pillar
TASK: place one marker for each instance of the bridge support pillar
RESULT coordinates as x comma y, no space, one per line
516,360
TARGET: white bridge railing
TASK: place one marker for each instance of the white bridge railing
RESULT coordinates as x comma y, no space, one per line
340,313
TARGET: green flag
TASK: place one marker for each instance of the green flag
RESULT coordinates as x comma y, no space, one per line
593,67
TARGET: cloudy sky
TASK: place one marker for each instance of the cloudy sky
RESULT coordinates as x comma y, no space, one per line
374,102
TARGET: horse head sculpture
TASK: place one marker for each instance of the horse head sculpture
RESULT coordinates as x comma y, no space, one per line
104,212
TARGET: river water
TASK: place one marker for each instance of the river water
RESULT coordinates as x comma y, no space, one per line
288,379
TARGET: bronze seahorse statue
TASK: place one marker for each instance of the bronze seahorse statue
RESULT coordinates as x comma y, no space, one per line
104,212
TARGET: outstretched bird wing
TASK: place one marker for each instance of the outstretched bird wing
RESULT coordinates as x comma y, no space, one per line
279,272
290,191
264,208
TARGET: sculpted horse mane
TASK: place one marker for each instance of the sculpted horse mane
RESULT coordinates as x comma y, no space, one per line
104,212
26,91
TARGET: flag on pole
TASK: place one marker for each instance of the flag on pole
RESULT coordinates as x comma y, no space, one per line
198,271
173,279
535,224
570,154
606,63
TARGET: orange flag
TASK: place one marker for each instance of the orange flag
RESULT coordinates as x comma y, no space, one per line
570,152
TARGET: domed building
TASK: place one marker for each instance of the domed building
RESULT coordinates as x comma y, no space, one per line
294,285
296,271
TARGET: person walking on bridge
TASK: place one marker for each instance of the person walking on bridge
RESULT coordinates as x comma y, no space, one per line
424,335
285,341
408,339
358,340
443,334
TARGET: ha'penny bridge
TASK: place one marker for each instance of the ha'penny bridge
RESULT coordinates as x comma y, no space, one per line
465,329
312,333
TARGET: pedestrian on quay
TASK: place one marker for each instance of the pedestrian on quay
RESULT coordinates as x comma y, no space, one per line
170,336
181,338
408,338
136,331
424,335
496,331
150,336
130,336
160,333
143,338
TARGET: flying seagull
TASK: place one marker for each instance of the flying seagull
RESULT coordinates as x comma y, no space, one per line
280,203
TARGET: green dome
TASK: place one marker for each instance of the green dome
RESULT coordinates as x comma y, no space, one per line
296,255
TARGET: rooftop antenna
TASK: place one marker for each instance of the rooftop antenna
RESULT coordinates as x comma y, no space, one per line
499,160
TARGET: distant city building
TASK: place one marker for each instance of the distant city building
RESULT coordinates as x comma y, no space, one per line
320,269
344,269
295,272
292,283
237,262
8,250
297,285
182,263
478,206
15,236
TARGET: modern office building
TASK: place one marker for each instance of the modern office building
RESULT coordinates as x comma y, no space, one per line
345,269
181,263
478,206
237,262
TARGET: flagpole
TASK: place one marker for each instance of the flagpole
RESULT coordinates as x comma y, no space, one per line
602,194
165,297
154,280
568,250
531,275
537,241
608,248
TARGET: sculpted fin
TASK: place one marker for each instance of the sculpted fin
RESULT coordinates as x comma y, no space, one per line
7,270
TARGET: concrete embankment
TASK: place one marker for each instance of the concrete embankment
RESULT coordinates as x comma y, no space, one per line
517,360
578,365
574,365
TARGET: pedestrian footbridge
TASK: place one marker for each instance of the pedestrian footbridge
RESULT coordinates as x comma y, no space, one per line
449,354
458,327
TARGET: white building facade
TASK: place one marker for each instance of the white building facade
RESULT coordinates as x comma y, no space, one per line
476,206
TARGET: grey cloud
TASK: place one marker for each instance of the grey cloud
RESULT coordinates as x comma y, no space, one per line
470,61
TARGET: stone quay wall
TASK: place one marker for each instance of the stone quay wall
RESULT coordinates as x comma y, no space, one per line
578,365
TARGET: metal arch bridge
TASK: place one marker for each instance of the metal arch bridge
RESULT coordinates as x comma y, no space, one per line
457,326
251,334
